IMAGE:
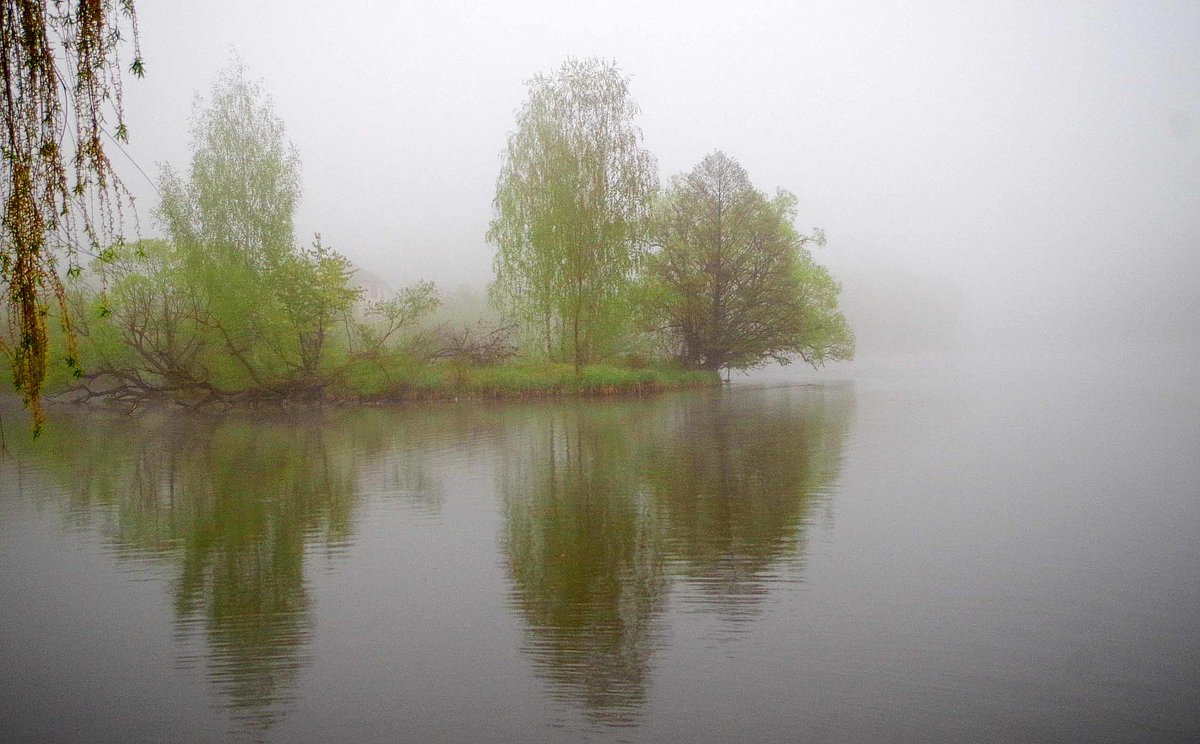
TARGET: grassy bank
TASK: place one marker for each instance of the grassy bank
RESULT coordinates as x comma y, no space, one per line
368,381
392,378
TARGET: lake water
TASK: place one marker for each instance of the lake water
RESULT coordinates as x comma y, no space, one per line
954,548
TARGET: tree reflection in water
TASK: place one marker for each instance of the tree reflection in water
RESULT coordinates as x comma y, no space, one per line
583,546
605,504
230,507
738,483
608,509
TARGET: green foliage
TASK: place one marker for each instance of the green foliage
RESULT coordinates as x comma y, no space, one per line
573,188
230,309
397,375
241,192
58,190
314,288
387,373
228,305
821,330
268,306
732,283
231,221
149,326
393,315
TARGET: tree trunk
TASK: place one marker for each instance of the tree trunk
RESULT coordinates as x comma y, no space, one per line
578,353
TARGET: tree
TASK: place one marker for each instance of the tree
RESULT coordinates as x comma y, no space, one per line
241,193
314,287
61,69
269,305
397,313
732,282
149,338
574,185
229,308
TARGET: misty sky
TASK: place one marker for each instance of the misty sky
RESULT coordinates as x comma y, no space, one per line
1044,162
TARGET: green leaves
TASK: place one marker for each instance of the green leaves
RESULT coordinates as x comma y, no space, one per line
397,313
229,303
734,285
573,188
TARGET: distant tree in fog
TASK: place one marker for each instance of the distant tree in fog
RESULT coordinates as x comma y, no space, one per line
229,303
732,282
271,303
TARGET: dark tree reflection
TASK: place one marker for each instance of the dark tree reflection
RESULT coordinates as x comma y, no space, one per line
253,497
738,479
231,507
606,504
611,511
583,547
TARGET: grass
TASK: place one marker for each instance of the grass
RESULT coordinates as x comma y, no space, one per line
396,376
398,379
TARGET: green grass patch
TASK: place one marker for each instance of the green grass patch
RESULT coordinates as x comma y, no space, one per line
395,379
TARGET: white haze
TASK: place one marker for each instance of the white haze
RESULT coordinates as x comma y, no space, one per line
1025,172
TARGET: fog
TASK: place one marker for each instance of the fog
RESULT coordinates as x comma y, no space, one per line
999,173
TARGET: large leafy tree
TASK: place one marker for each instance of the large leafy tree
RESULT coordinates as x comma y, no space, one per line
731,280
573,188
229,307
230,217
61,73
241,193
269,306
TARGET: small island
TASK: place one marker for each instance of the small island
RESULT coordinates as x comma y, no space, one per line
604,281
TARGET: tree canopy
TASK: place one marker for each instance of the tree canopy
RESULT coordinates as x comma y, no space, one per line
573,188
61,67
229,303
592,262
229,309
732,282
231,217
243,186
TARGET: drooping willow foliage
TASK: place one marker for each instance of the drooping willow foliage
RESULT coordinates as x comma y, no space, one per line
575,182
61,70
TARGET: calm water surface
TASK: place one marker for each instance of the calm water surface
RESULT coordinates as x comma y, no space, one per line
958,548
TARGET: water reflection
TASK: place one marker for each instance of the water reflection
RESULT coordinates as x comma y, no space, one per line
609,512
249,501
230,506
605,504
739,481
583,544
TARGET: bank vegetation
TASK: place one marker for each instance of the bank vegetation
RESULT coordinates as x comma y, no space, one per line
605,281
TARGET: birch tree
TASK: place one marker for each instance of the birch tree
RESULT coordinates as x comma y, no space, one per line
574,186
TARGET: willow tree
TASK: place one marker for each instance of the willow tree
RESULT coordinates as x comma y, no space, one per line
733,282
574,185
231,221
241,193
61,69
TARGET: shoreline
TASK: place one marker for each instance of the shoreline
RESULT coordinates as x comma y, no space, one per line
427,385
